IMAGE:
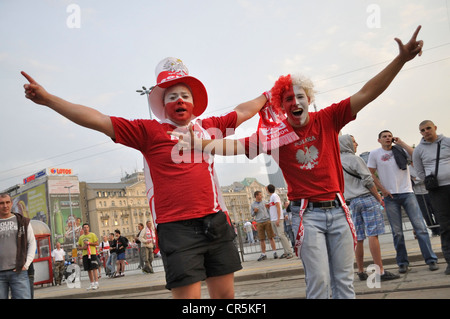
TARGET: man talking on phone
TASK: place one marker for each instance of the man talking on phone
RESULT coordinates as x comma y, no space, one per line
391,163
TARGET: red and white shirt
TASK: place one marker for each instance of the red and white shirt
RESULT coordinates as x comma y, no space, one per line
311,165
181,186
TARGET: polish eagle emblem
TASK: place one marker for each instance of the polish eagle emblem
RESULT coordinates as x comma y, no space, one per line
308,158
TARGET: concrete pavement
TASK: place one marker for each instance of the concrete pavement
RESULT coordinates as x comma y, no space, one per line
277,279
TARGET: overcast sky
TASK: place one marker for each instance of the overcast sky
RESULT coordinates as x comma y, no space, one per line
98,53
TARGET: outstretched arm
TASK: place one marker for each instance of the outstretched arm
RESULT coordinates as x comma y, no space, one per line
248,109
79,114
377,85
223,147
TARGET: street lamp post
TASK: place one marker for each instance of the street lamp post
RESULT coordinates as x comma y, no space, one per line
146,92
71,214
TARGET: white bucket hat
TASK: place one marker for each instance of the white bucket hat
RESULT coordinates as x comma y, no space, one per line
169,72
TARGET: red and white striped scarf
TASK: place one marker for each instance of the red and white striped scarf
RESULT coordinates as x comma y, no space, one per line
273,130
150,235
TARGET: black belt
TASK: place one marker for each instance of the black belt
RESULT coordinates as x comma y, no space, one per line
323,204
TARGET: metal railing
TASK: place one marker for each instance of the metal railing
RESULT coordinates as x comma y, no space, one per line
245,247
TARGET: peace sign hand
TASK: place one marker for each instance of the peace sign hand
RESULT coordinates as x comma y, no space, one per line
409,50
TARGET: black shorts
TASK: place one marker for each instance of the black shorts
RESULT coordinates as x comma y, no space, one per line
189,256
90,263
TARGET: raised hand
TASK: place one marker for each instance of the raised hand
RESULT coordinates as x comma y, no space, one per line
409,50
79,114
35,92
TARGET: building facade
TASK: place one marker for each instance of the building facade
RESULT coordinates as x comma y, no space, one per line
112,206
51,196
58,198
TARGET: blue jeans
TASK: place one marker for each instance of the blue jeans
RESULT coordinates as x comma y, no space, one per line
18,283
111,263
327,252
393,210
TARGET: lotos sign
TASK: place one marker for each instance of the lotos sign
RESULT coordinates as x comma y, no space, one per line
60,171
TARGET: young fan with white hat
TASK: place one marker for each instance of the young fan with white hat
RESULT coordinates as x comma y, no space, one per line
194,234
169,72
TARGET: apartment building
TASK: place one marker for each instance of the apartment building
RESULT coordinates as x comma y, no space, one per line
111,206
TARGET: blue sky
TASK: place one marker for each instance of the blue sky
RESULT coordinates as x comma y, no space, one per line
236,48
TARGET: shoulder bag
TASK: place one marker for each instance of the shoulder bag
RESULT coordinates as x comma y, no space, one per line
431,181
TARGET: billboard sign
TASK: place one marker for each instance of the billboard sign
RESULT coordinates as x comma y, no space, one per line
35,176
60,171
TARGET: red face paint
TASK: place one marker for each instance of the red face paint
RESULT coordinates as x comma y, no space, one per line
179,111
179,104
296,103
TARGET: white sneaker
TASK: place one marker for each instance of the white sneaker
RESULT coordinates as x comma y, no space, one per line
92,287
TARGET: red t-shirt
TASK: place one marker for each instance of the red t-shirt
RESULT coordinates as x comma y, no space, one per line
182,190
311,166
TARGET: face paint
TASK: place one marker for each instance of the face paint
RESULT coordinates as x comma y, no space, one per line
178,103
295,103
179,111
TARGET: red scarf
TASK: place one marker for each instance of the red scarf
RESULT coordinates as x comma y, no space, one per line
273,129
150,236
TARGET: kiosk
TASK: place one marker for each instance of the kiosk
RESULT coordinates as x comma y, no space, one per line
43,270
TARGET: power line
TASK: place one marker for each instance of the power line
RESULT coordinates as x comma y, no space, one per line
52,157
376,64
73,160
356,70
364,81
223,109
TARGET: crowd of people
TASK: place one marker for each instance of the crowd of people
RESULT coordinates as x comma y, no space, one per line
110,254
306,147
196,239
270,220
